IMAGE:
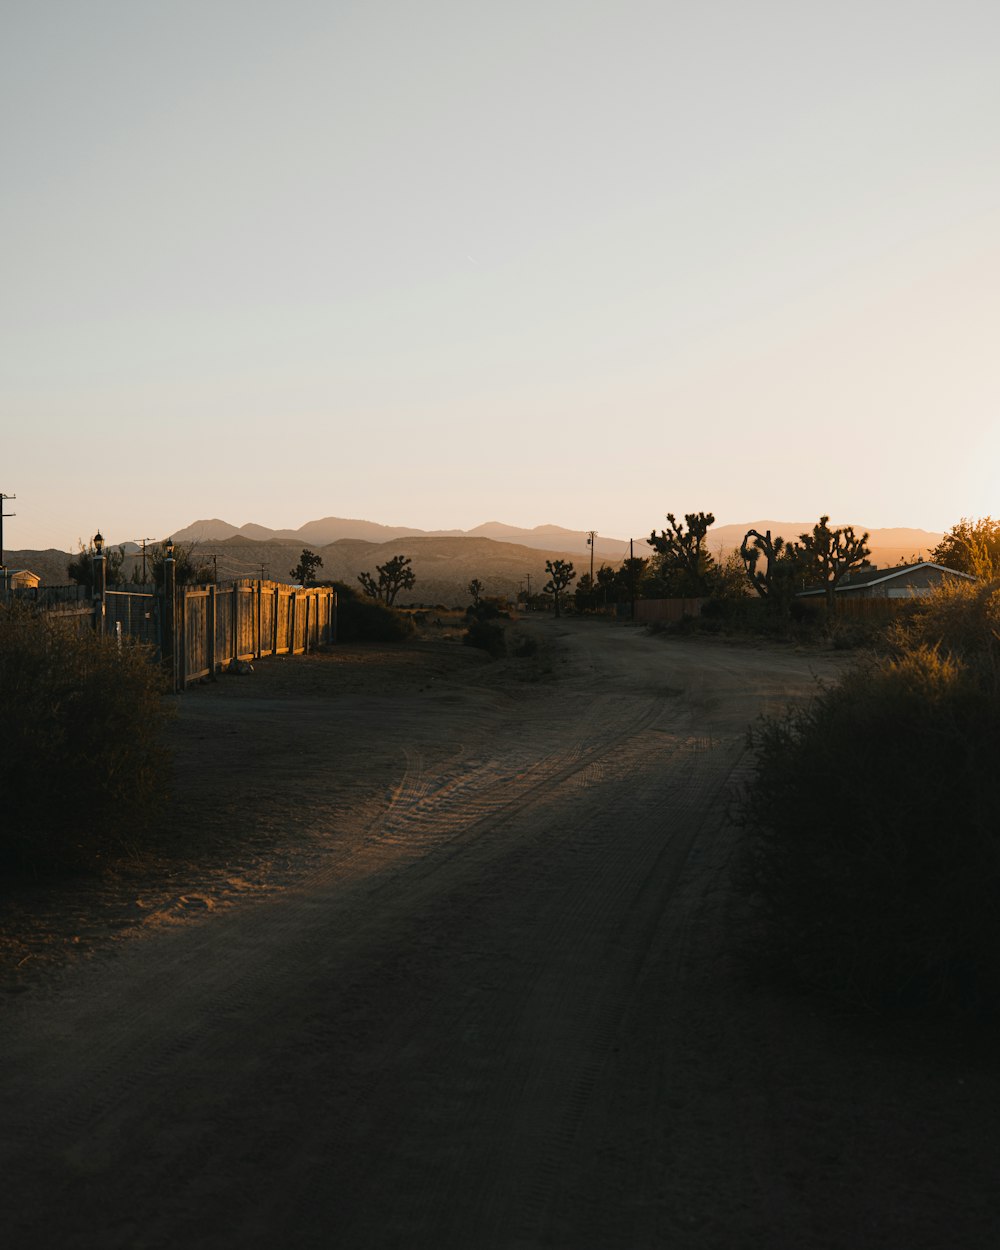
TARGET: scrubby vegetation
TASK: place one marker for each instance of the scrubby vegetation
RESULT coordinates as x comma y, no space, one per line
489,636
486,626
82,757
873,820
360,619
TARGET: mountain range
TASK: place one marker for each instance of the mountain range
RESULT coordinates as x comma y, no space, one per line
889,546
503,557
331,529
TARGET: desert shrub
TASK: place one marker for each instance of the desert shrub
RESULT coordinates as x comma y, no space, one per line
360,619
488,609
82,754
488,635
963,619
873,838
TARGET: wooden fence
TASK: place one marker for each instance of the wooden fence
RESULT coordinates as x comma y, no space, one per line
196,631
214,625
666,610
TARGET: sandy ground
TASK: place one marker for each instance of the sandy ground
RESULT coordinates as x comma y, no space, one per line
457,964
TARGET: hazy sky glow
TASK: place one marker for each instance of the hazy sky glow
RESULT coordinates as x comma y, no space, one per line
442,263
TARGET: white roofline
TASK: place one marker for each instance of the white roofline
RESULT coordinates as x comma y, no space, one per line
907,568
877,581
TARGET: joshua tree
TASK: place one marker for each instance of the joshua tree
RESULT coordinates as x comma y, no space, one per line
775,582
306,568
476,591
561,573
827,554
684,559
393,576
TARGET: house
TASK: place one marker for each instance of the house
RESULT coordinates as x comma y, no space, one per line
906,581
23,579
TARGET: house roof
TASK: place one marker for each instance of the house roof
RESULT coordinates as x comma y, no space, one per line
872,577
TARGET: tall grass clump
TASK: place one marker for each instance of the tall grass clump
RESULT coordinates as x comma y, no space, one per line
873,822
82,755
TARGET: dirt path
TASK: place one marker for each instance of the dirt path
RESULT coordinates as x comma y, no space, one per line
481,992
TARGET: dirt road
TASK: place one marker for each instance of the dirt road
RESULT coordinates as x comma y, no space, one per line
474,983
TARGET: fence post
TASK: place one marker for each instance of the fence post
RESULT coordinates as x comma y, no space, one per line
100,583
183,638
169,623
257,640
274,623
210,630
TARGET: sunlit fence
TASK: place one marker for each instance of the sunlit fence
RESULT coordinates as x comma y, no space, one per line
197,631
216,625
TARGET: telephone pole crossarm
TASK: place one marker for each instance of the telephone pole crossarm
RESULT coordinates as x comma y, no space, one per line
3,500
591,543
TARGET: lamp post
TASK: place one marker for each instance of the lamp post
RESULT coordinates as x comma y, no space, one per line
100,581
168,619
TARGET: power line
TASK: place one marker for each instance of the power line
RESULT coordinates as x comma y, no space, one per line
144,541
2,515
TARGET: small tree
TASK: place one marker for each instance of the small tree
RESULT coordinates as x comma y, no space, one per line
685,561
775,581
971,547
561,573
393,576
476,591
630,578
585,595
827,554
305,570
81,568
186,570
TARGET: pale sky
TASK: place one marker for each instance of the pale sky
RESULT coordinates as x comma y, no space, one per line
549,261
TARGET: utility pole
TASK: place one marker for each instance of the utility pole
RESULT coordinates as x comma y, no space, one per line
215,568
591,535
3,499
144,541
631,575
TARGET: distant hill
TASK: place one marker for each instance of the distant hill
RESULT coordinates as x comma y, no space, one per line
321,533
499,555
50,565
443,566
889,546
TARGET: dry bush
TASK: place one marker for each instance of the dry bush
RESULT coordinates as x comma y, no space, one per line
82,757
963,620
487,635
360,619
873,827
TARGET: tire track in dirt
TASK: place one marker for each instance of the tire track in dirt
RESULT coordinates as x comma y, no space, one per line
435,1025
